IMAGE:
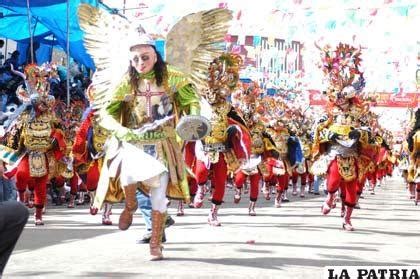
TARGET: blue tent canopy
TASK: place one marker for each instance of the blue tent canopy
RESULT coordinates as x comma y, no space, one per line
48,17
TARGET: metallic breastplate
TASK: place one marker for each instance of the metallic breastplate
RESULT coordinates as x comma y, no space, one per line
219,123
152,103
38,134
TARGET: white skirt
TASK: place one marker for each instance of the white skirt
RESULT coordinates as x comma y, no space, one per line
134,164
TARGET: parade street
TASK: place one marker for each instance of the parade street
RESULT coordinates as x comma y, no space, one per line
294,241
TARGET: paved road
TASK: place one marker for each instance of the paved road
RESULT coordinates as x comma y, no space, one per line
294,241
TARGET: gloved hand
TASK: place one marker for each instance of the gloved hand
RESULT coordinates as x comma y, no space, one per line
333,136
354,134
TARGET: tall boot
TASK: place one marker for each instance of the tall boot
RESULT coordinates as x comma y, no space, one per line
277,201
180,209
158,224
326,206
38,216
106,220
347,217
126,217
71,201
302,190
251,209
212,219
92,210
199,196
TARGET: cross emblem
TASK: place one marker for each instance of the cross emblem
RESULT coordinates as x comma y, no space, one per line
148,94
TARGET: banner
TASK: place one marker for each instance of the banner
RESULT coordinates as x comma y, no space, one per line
407,100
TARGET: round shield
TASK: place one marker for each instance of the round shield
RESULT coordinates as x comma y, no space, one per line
193,127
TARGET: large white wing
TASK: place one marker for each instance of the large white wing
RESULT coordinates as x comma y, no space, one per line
196,40
107,41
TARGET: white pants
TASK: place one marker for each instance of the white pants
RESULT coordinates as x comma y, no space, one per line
158,194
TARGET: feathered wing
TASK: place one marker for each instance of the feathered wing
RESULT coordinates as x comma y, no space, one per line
107,41
195,41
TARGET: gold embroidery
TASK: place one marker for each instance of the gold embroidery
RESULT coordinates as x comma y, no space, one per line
37,164
347,168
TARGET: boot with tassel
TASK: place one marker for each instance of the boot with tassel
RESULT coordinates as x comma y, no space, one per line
126,217
158,225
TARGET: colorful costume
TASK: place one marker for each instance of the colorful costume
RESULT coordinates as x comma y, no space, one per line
246,102
340,133
229,139
41,145
413,140
142,106
88,152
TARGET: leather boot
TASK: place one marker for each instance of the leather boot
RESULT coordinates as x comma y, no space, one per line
126,217
106,220
212,219
326,206
158,224
347,217
38,216
71,201
180,209
417,197
199,196
251,209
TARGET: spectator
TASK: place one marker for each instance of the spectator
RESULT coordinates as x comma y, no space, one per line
13,218
1,53
7,187
13,60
